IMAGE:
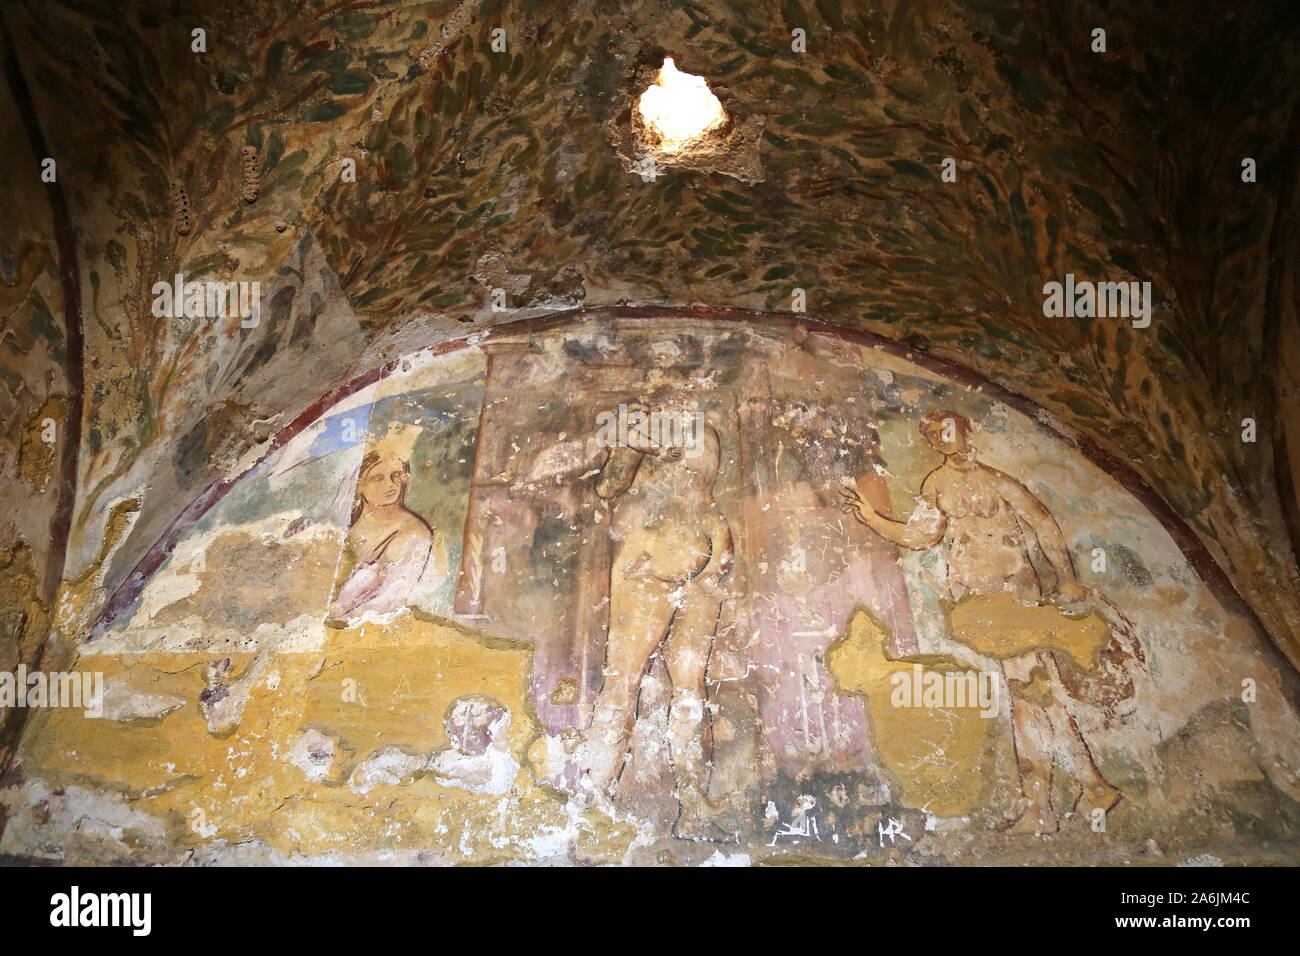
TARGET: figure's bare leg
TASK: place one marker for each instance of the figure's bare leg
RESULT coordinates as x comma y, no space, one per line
640,614
1072,753
1032,733
686,655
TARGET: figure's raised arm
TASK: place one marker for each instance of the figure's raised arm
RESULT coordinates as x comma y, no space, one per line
618,472
923,529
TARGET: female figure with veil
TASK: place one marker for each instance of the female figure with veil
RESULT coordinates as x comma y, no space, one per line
388,543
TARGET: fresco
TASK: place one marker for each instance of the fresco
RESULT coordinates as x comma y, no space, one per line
647,587
478,170
984,523
665,590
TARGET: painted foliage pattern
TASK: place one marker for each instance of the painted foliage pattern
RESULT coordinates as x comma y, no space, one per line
463,585
479,169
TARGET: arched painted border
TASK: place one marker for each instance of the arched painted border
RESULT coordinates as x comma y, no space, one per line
1193,549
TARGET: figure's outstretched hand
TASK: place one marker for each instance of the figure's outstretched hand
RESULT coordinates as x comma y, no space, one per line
852,501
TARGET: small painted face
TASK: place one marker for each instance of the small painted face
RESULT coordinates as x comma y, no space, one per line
382,484
947,436
470,724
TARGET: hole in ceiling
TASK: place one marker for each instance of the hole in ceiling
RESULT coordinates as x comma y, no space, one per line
679,108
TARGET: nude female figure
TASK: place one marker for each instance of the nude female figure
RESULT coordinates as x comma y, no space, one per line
979,517
673,550
389,543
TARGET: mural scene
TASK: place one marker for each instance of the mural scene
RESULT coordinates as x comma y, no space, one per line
663,590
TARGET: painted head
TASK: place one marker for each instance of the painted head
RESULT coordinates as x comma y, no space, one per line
947,432
381,483
473,722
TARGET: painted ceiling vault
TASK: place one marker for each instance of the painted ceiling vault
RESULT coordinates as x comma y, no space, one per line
399,176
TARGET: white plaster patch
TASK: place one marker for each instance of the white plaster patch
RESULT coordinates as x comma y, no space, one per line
721,859
391,765
122,702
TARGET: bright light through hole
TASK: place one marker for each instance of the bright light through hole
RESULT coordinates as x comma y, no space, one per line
679,107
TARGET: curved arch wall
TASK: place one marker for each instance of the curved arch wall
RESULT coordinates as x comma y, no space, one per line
778,616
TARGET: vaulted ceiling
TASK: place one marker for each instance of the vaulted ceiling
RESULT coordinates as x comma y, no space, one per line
477,169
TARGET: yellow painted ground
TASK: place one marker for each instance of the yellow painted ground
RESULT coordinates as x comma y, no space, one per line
935,755
405,676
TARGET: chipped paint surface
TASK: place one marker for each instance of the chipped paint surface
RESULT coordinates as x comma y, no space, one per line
368,588
480,170
254,715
